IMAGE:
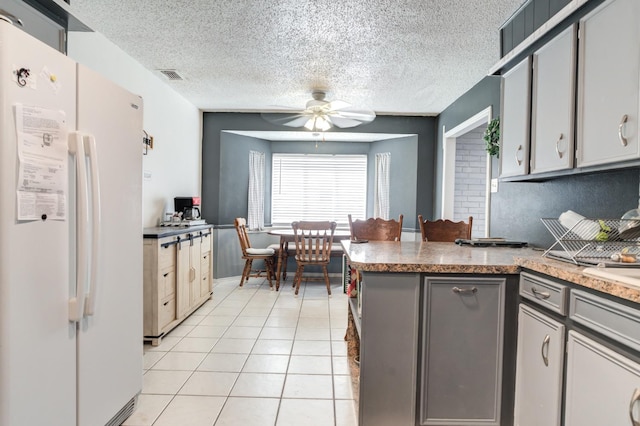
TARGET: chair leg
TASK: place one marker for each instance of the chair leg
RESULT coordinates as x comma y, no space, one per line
326,278
269,265
285,259
245,272
298,278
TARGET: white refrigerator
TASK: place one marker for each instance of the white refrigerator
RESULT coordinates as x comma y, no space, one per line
70,240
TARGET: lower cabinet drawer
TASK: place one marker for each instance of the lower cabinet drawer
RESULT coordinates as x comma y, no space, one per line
167,312
166,253
544,292
614,320
167,283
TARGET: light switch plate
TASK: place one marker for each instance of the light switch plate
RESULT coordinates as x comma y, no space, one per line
494,185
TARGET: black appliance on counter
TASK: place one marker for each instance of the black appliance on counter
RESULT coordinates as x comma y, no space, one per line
188,206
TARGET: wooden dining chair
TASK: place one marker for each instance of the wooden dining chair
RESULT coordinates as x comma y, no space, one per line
376,229
444,230
313,247
249,254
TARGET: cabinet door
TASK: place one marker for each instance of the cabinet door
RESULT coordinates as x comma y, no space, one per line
539,367
462,347
603,387
206,269
608,86
183,282
205,276
195,261
553,103
515,111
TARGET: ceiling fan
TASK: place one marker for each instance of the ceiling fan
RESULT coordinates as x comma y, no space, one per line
320,115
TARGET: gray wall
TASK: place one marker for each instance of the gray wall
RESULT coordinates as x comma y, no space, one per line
484,94
234,174
222,173
517,207
403,182
225,172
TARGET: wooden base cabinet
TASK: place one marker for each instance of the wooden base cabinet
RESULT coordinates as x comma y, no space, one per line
539,369
463,338
177,280
603,387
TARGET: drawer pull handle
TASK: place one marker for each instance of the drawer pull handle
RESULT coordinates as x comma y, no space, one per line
165,303
459,290
540,294
558,146
634,398
623,140
518,161
545,343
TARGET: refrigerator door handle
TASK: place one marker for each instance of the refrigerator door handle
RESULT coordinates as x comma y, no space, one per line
96,222
76,303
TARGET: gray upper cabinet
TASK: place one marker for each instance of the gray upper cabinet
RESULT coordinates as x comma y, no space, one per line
539,369
603,387
608,84
553,104
461,380
515,111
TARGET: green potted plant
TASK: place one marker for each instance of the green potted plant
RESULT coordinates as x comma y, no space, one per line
492,137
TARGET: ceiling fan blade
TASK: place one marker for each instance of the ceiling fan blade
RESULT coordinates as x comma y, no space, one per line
353,118
338,105
283,119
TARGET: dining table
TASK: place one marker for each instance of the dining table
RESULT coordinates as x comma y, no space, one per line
286,236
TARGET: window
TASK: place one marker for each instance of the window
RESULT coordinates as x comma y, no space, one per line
318,187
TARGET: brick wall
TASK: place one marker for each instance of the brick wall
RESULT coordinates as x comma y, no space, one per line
471,180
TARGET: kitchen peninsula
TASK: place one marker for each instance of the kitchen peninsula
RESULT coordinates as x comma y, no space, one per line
439,327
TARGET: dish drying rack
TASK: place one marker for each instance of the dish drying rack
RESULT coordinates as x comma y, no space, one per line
594,241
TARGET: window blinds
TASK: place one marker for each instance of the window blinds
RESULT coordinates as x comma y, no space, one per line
318,187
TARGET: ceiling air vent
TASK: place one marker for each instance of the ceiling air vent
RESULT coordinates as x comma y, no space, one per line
171,74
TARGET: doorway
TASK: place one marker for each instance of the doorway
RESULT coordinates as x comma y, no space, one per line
466,184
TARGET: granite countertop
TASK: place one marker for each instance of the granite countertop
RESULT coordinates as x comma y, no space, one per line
431,257
167,231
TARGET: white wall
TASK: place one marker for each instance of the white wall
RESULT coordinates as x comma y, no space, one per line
174,164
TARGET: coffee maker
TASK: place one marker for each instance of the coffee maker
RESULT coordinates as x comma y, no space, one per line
186,212
188,206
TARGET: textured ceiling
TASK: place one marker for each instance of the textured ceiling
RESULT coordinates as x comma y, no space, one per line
394,57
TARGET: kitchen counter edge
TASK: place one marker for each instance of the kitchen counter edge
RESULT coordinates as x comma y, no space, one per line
168,231
429,257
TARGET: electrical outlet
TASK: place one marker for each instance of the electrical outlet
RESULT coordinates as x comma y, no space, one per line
494,185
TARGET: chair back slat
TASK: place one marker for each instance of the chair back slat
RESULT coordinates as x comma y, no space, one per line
444,230
243,236
376,229
313,240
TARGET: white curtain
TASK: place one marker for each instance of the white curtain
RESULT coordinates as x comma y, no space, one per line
255,215
381,190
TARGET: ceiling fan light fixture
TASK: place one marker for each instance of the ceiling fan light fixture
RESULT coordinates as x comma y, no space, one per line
321,115
318,123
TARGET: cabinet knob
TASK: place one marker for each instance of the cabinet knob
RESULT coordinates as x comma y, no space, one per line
165,303
623,140
165,274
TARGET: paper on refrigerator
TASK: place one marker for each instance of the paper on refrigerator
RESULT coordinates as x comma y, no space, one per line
43,163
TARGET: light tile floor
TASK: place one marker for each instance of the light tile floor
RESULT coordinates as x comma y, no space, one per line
251,356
